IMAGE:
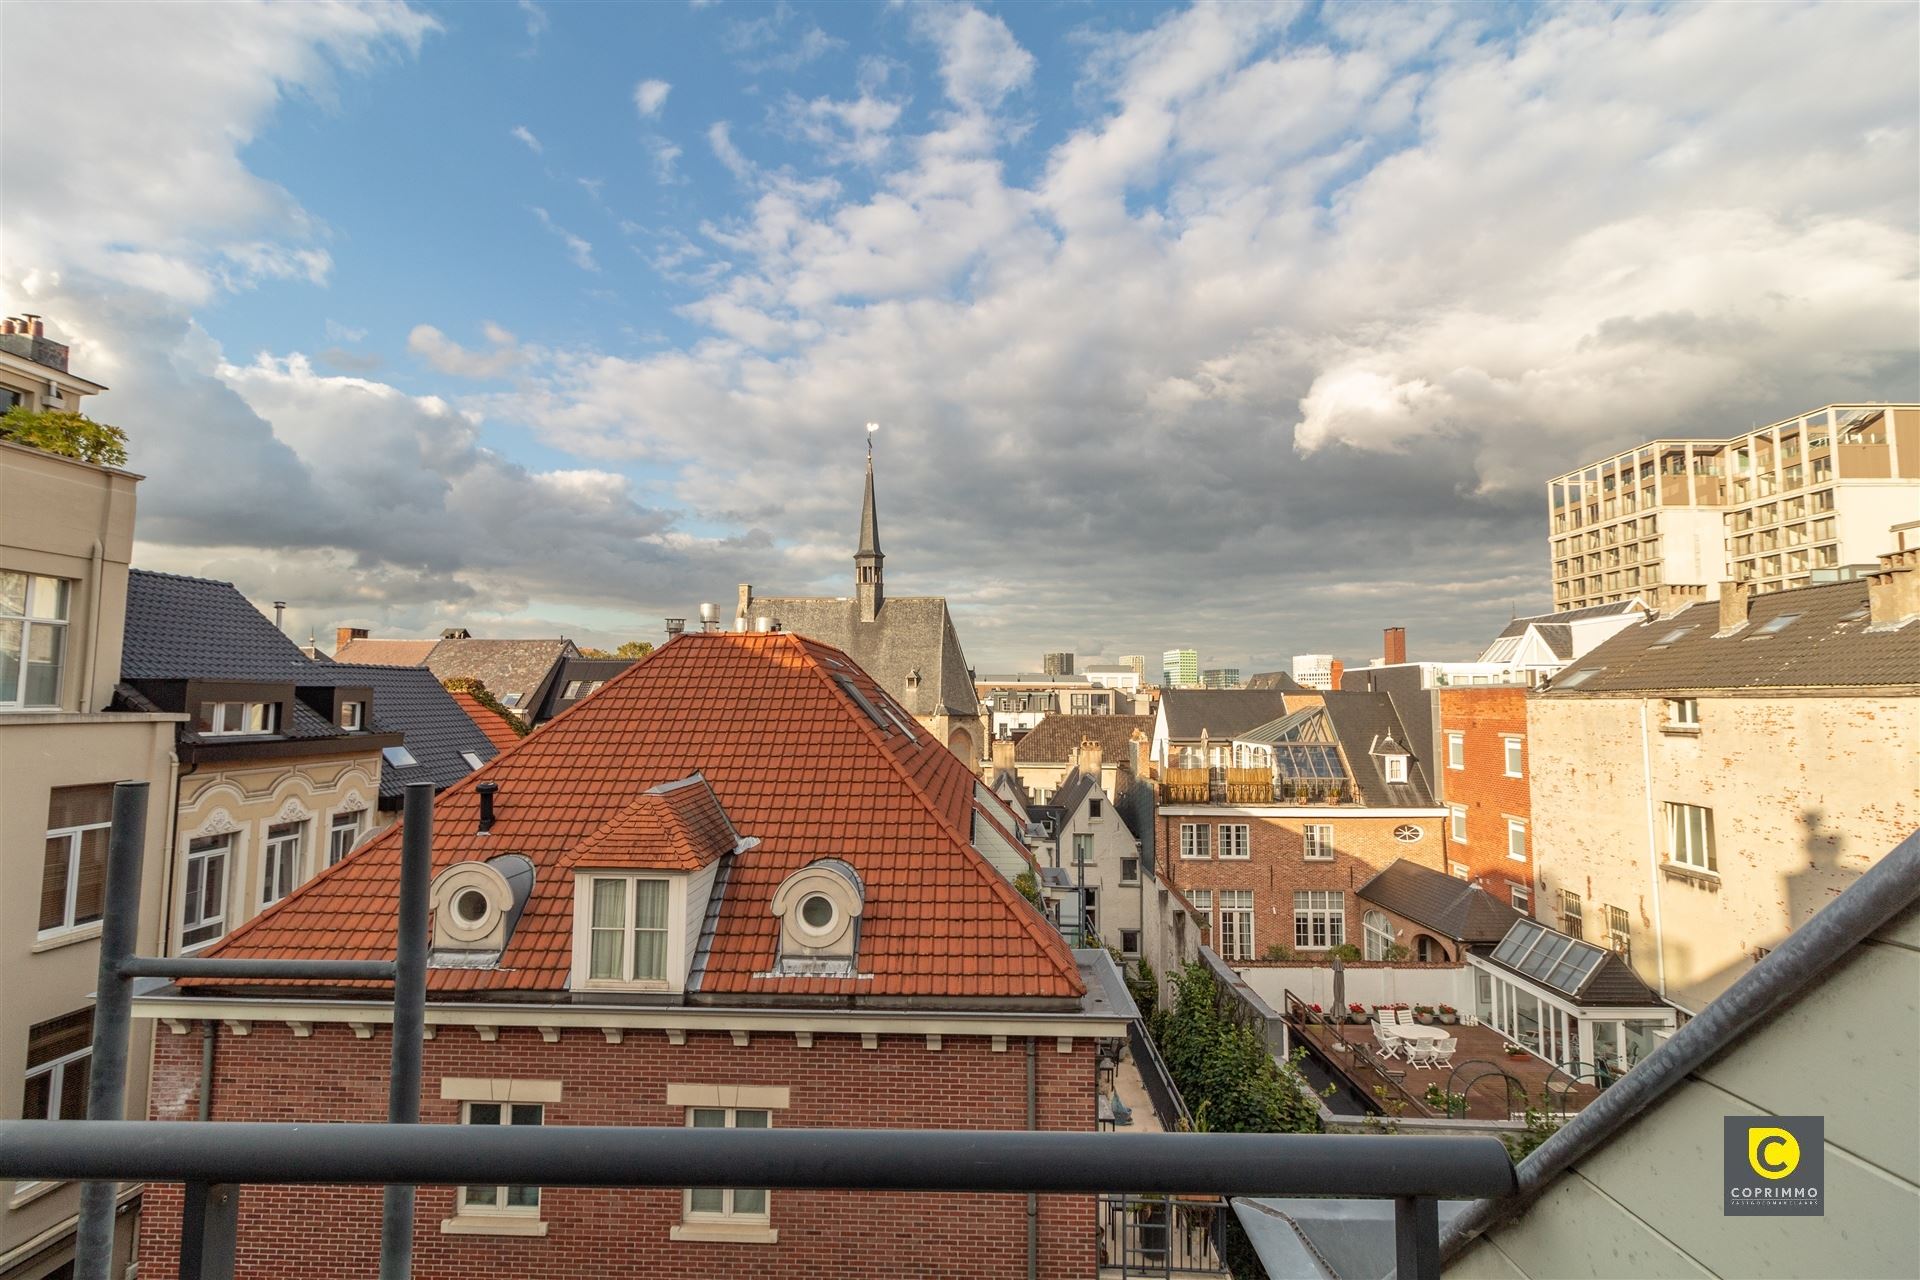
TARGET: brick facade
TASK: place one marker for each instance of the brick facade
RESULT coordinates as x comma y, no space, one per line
331,1075
1278,867
1485,718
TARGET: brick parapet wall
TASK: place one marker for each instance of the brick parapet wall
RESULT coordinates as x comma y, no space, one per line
333,1231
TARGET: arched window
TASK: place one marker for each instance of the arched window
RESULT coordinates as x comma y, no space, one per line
1378,933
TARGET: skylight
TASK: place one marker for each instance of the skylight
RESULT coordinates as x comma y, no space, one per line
1672,636
1304,762
1577,678
873,713
1774,626
473,761
399,757
1548,957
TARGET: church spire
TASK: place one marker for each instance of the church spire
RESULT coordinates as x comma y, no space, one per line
867,560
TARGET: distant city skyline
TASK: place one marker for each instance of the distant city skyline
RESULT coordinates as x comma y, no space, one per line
1259,325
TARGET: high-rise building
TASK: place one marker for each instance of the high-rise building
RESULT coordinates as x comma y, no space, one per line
1781,506
1180,668
1057,664
1314,670
1220,678
1138,661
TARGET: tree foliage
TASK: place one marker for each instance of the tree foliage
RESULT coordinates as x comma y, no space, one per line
66,433
631,649
1222,1067
1144,987
1029,886
477,690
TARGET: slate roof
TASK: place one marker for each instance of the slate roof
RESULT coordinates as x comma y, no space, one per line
181,628
1221,713
498,731
770,721
1282,680
1057,737
409,701
1449,906
515,671
386,653
1518,626
1364,723
1830,644
1558,637
910,634
1072,792
573,671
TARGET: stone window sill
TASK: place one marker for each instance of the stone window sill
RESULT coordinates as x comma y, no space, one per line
1681,730
721,1233
1698,875
475,1224
67,937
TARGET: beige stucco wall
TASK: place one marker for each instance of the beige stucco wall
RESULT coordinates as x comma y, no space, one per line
247,799
43,978
1806,792
1648,1203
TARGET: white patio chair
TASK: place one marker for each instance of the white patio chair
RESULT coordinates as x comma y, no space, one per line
1404,1017
1443,1051
1420,1053
1390,1044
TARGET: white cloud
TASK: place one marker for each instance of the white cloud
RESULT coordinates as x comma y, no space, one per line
853,131
720,138
650,95
578,248
536,19
448,356
980,61
525,135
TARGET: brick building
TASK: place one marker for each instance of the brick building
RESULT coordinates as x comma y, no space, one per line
1271,844
1484,784
736,888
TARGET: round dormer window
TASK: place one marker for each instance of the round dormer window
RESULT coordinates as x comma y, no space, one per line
1407,833
817,913
471,906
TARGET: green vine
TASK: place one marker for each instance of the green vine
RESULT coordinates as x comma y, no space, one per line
68,434
477,690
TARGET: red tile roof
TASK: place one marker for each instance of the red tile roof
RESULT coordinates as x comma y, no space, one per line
678,826
771,721
491,722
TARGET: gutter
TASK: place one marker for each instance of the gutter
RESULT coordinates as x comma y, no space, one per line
1808,955
95,588
1653,852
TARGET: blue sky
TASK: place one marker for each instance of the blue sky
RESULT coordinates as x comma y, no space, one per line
1249,327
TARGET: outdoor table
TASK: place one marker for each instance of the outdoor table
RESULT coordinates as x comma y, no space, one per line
1418,1032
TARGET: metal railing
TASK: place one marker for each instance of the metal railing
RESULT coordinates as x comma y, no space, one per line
1163,1236
1168,1105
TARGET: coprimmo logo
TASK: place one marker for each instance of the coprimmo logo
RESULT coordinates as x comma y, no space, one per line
1776,1166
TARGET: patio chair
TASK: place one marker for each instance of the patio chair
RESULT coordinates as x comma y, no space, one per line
1420,1053
1390,1044
1404,1017
1442,1051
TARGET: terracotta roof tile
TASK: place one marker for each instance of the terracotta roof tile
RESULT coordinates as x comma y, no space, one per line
792,759
498,731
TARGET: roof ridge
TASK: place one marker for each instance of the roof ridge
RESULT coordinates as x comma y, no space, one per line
1023,910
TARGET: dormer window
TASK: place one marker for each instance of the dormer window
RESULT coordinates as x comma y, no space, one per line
1396,767
627,940
474,908
234,719
819,909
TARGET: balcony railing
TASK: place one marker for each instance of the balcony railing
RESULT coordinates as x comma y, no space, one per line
1249,786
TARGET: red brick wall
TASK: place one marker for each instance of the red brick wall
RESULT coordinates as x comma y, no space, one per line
1483,787
594,1234
1278,867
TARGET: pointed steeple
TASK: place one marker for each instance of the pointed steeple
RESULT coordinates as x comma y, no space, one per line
867,561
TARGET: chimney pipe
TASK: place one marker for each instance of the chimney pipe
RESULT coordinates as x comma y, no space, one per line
279,615
8,326
485,791
709,616
675,626
39,330
1893,589
1396,645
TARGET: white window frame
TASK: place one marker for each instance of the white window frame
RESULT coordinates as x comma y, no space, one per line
1083,848
1319,914
728,1216
1235,841
265,714
1134,949
353,715
1236,924
674,930
29,620
1457,823
56,1069
1516,827
220,849
1456,750
1202,900
335,829
500,1208
1376,935
1396,768
75,837
1683,713
1690,842
1514,755
1196,836
1521,896
1318,841
274,858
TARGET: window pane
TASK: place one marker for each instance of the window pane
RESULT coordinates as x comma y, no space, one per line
750,1202
45,645
707,1200
13,593
604,961
609,904
523,1197
483,1113
752,1119
488,1196
709,1118
90,893
80,806
58,1037
49,598
38,1097
73,1088
526,1113
650,904
10,645
53,882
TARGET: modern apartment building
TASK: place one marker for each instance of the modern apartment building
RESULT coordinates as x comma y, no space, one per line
1220,678
1780,506
1180,669
1315,670
66,533
1057,664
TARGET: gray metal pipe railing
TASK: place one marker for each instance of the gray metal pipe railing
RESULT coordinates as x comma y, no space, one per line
927,1160
261,970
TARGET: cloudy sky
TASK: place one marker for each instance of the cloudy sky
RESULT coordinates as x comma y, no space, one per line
1252,328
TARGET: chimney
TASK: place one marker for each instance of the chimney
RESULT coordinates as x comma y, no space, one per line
1089,757
8,326
744,610
1003,754
1396,645
344,636
1142,751
1335,670
1893,590
486,790
675,626
279,615
1734,599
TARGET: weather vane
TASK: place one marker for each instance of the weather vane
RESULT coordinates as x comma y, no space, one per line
871,428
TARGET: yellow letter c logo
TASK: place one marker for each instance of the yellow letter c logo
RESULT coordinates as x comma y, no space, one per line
1773,1153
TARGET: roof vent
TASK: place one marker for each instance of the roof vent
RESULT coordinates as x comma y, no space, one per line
486,791
676,626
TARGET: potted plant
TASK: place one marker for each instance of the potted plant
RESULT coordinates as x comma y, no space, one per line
1513,1050
1356,1013
1447,1014
1316,1014
1423,1014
